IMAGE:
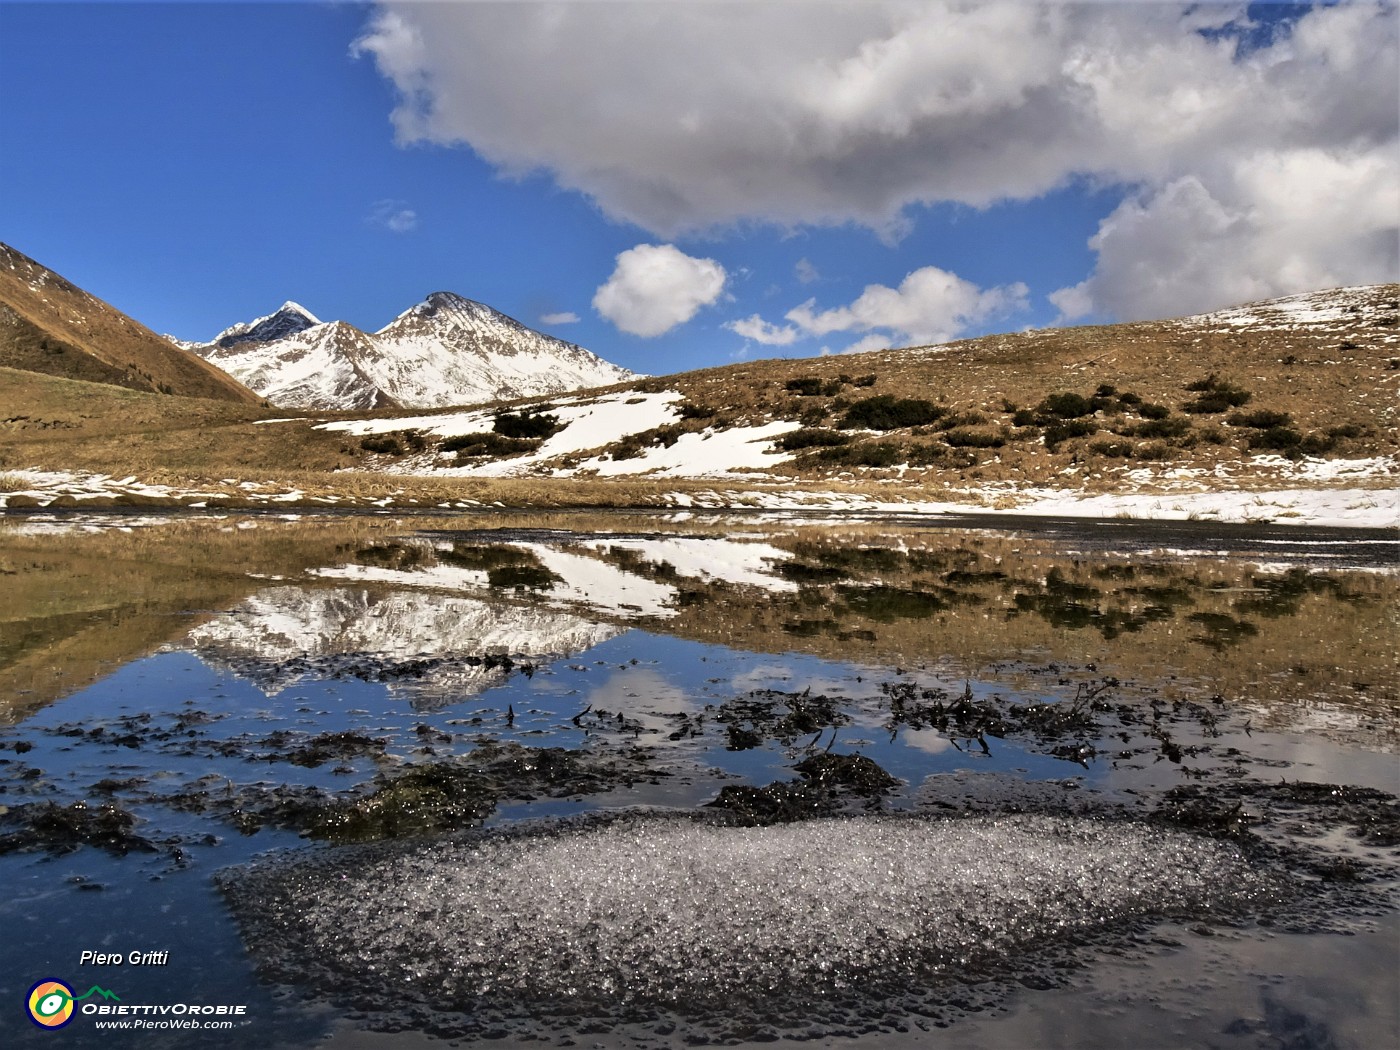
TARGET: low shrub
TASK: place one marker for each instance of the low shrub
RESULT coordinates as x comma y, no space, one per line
869,454
811,437
805,386
1277,439
1260,419
963,438
1068,406
1111,449
1151,410
691,410
961,419
1070,428
886,412
395,442
1217,395
525,424
1167,427
485,443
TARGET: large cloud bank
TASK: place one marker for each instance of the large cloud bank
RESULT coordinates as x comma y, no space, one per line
1256,161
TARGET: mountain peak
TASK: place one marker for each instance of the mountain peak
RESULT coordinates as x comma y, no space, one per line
287,319
446,350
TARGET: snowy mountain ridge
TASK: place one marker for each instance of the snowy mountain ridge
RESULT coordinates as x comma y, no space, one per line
446,350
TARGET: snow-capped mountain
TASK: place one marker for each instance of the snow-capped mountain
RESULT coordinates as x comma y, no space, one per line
289,319
447,350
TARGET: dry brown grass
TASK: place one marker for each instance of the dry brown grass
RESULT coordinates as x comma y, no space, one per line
59,329
79,605
1338,378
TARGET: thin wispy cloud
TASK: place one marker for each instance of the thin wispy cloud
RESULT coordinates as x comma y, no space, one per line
562,317
393,215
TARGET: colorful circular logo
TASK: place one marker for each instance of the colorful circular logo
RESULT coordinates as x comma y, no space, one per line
50,1004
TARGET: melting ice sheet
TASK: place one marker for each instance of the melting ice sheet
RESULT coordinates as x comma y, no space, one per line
662,910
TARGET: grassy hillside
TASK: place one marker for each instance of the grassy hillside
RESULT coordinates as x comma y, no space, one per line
49,325
1269,395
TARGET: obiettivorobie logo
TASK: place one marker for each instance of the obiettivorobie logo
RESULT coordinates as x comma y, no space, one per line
51,1002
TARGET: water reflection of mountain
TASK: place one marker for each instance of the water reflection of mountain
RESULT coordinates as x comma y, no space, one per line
430,648
1287,638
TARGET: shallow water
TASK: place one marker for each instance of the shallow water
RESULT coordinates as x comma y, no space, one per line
656,779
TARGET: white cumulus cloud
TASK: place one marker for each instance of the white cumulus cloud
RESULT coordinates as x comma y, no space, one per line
766,112
929,306
1271,224
655,287
761,331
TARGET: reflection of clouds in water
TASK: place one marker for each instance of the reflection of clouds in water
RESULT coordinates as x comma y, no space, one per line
641,689
770,675
929,741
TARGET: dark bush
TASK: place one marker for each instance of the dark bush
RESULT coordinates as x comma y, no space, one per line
396,443
1154,411
388,444
962,419
525,424
1024,417
1171,427
1106,390
874,454
1260,419
1217,395
885,412
691,410
1112,449
864,380
973,439
1129,399
1072,428
1346,431
1317,444
1154,451
811,437
484,443
1216,401
1279,439
806,386
1067,406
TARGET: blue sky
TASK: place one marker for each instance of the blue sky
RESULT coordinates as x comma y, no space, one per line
747,179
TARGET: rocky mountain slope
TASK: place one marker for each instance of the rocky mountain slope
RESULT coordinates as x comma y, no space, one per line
49,325
446,350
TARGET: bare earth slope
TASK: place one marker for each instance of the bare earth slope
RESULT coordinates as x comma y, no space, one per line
49,325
